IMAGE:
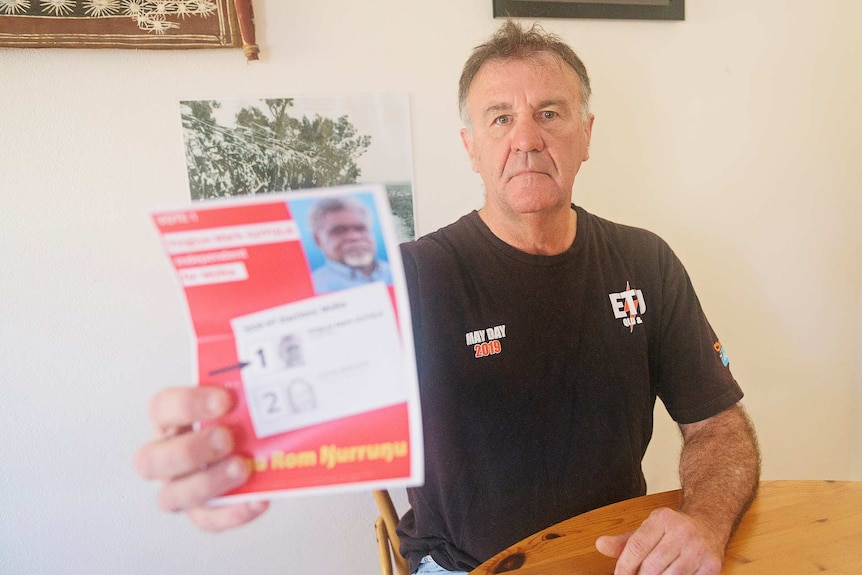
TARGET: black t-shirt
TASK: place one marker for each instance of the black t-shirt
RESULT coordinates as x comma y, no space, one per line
538,377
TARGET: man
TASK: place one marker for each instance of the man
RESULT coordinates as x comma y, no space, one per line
548,413
342,231
290,351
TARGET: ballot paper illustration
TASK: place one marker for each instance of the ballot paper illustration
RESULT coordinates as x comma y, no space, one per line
320,359
299,307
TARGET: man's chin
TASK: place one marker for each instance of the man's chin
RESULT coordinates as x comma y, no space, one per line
537,197
359,260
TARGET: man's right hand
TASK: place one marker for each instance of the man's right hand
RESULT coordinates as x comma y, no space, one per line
195,466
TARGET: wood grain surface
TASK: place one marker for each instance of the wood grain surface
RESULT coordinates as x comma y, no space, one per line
792,528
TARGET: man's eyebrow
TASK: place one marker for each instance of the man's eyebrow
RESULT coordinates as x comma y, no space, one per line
553,103
494,109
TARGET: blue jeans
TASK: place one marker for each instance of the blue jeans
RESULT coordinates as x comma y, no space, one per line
428,566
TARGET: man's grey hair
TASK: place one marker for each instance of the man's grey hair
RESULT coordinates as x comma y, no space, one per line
512,42
329,205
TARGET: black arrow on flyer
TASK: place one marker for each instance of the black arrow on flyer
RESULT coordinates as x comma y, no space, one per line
239,365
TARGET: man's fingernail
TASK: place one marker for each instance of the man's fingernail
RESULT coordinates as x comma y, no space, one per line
215,404
237,469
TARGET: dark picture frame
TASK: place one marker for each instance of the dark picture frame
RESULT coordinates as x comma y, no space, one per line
611,9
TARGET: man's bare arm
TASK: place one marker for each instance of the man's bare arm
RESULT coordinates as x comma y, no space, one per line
719,471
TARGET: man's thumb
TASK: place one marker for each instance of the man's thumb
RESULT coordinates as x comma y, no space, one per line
612,545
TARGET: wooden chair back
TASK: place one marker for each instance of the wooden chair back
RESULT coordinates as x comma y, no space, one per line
388,543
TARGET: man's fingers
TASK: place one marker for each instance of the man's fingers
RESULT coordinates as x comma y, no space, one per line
195,466
652,547
643,552
183,406
227,516
196,489
612,545
183,454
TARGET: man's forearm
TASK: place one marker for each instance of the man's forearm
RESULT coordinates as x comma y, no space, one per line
719,470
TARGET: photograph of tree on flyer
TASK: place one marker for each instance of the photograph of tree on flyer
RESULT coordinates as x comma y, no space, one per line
250,146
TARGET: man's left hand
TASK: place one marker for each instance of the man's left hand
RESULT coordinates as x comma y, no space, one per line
668,542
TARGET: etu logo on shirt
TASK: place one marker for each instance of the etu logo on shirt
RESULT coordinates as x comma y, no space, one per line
628,306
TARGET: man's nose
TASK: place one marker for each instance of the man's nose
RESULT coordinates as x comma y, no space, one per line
527,136
356,232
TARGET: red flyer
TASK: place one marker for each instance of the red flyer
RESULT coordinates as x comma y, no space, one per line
299,306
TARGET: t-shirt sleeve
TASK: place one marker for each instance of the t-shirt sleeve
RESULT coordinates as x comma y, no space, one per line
692,370
411,275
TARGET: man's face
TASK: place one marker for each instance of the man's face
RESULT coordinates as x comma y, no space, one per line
527,138
290,351
344,237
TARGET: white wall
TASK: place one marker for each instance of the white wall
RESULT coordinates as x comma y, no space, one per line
734,134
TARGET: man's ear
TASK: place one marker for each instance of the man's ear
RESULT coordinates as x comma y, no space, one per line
467,140
588,134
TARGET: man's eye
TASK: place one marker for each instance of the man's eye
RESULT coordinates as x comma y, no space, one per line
502,120
548,114
342,230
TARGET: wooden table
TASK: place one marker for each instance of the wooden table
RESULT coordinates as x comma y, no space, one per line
793,527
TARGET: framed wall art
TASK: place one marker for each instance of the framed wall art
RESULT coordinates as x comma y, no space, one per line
136,24
613,9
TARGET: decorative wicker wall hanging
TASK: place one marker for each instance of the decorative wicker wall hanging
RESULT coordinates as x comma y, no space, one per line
149,24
